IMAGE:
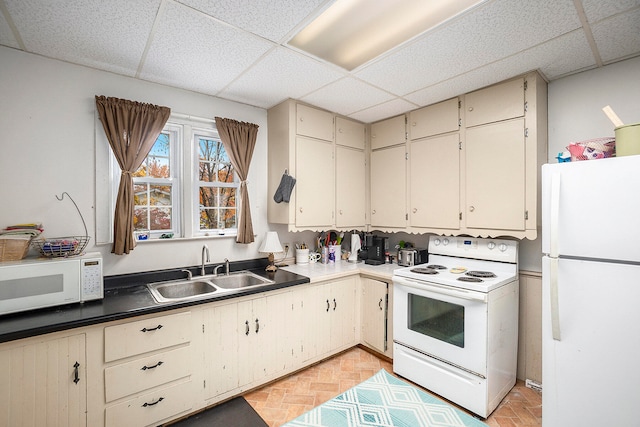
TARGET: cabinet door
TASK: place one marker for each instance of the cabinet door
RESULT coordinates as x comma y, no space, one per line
314,123
220,349
314,183
388,187
495,176
500,102
342,313
349,133
374,313
434,120
253,326
39,386
388,132
435,182
350,187
281,335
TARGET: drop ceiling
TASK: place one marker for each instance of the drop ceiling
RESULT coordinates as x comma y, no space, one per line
237,49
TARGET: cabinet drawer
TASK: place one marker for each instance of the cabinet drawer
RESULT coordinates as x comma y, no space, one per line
500,102
150,408
147,372
314,123
142,336
388,132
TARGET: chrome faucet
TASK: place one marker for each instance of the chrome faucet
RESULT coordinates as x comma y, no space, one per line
226,266
205,252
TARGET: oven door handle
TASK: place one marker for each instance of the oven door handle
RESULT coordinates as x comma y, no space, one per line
439,289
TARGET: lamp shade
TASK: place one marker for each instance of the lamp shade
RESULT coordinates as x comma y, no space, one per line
271,243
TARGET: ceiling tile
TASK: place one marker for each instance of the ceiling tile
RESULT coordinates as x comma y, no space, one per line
347,96
195,52
86,32
618,37
597,10
279,75
462,46
272,19
6,35
385,110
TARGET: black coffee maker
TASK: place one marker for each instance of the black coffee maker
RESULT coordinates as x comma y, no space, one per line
376,251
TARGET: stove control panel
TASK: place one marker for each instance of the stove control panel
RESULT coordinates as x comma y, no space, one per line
474,247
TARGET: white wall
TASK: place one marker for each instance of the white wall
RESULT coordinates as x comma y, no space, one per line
47,139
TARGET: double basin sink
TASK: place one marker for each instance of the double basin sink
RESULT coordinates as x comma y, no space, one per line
205,286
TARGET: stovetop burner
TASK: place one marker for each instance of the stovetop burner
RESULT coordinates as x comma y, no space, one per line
483,274
424,270
470,279
437,267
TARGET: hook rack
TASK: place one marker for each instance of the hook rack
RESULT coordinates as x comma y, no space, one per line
61,198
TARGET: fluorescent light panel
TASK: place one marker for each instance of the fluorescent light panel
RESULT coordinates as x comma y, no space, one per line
353,32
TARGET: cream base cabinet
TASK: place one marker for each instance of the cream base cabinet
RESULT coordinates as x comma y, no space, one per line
374,307
44,382
388,188
434,200
220,352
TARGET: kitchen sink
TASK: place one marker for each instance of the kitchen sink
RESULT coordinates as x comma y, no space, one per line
203,286
181,290
238,280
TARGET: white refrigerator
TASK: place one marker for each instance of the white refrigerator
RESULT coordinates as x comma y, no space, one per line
591,293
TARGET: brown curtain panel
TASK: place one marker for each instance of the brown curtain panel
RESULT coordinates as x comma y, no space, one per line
131,128
239,140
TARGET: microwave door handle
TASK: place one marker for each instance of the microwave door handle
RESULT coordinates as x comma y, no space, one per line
443,290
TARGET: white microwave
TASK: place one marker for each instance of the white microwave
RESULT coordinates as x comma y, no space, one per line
37,283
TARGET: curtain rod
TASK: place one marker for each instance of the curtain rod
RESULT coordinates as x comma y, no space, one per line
190,117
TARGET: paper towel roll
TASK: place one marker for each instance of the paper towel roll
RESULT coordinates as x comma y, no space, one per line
356,245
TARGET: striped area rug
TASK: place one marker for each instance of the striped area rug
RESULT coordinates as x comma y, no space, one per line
384,400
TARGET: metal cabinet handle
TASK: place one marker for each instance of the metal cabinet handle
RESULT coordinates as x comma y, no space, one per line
380,304
373,212
300,210
470,108
76,374
246,324
328,306
145,404
415,210
145,367
335,304
257,326
151,329
472,208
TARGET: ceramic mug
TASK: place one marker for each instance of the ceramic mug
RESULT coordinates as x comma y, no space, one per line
314,257
302,256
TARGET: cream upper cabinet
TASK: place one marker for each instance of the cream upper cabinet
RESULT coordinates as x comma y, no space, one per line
434,200
374,304
44,382
436,119
389,132
315,185
350,133
350,188
388,187
495,103
495,176
314,123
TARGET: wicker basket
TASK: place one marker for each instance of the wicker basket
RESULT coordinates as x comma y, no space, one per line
13,249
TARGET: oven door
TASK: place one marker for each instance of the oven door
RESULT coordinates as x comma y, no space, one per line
446,323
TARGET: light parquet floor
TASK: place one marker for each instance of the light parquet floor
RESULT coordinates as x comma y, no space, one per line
286,399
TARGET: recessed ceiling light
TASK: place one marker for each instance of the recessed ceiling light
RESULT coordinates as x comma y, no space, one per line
352,32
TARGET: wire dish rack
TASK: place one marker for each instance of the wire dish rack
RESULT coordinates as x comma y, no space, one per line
63,246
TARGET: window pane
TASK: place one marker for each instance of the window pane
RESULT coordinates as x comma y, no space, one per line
208,197
214,163
208,219
140,220
227,218
157,163
160,218
160,195
227,197
158,167
140,194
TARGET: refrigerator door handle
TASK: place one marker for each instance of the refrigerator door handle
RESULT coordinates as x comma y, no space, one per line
553,296
554,215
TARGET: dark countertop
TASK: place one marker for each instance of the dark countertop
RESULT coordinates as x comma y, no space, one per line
126,296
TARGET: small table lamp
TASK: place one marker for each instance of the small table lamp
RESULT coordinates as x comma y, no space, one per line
270,245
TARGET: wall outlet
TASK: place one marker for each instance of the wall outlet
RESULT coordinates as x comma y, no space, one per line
286,247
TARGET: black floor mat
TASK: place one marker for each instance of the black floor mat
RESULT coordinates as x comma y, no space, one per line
233,413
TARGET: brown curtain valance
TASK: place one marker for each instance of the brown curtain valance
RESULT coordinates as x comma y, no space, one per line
239,140
131,128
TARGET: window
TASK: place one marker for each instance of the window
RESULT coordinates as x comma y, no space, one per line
186,187
217,186
155,189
